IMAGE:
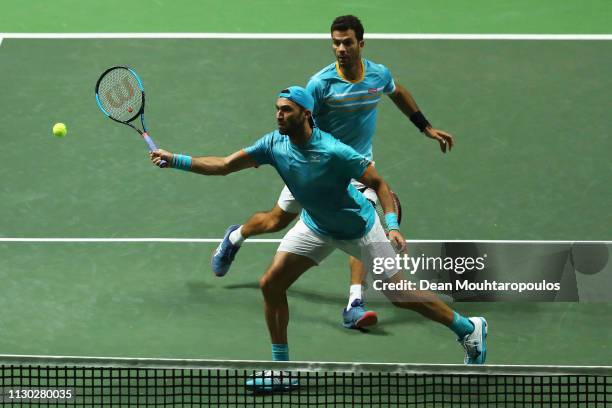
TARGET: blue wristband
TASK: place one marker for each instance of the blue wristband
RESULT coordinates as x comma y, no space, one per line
391,221
181,161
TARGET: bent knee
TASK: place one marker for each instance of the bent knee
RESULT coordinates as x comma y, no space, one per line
279,220
269,285
275,222
264,283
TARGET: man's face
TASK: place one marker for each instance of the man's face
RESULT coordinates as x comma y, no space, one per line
346,47
289,116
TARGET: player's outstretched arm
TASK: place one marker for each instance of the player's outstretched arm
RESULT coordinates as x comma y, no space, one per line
406,103
207,165
372,179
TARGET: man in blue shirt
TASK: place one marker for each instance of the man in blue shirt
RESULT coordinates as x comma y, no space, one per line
314,164
346,95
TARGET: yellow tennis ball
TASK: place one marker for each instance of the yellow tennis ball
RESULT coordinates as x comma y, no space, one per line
59,130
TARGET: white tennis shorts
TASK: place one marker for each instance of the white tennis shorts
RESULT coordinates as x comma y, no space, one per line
301,240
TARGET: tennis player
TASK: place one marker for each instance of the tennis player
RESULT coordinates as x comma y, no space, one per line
314,164
346,95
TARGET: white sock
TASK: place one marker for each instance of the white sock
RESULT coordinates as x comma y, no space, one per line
236,237
354,293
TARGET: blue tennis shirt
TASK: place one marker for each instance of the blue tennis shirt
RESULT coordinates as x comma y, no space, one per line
318,174
347,109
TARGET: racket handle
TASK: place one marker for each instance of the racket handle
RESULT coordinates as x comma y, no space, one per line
152,147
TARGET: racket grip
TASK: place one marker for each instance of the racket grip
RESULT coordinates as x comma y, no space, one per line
152,147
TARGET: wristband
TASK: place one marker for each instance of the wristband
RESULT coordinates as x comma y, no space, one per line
419,120
181,161
391,221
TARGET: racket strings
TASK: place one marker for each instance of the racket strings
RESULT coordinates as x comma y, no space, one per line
120,94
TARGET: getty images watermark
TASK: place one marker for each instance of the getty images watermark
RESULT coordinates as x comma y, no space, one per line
555,271
457,265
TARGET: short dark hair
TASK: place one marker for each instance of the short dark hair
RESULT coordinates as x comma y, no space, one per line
348,22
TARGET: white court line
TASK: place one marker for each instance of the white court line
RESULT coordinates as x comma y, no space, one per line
272,240
406,368
127,240
309,36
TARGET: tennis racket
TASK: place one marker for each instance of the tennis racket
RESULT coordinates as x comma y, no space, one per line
381,213
120,96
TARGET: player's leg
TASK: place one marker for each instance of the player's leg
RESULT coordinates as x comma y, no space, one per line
355,316
274,220
278,218
471,332
285,269
299,250
424,302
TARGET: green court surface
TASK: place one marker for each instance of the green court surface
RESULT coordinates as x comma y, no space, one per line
385,16
531,120
133,300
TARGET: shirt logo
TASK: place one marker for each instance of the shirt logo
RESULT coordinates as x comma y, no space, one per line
315,158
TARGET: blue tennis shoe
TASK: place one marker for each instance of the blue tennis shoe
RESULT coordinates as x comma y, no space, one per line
271,381
357,317
224,254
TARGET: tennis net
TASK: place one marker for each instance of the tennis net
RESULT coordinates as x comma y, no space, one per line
40,381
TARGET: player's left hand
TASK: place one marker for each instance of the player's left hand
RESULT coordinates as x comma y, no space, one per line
397,240
445,139
158,155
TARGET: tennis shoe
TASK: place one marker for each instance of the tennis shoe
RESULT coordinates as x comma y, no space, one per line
357,317
224,255
475,343
270,381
